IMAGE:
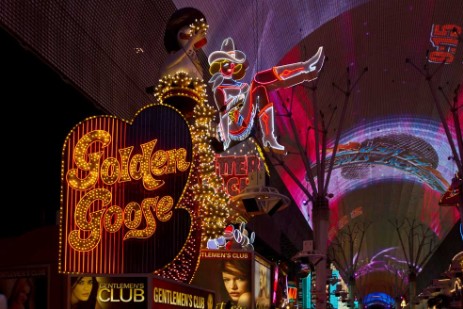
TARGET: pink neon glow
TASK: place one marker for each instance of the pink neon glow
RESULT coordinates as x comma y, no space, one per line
275,284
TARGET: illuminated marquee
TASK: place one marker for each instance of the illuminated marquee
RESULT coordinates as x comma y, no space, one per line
123,186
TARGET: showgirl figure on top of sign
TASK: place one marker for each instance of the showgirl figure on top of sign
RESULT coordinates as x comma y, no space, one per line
182,84
185,35
238,102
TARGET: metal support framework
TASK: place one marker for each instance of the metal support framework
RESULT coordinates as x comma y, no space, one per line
344,252
399,288
457,153
320,181
418,243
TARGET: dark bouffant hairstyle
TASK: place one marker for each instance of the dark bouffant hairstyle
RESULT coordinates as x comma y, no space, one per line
90,304
181,17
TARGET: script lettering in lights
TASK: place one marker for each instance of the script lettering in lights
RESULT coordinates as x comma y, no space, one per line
126,187
94,172
140,166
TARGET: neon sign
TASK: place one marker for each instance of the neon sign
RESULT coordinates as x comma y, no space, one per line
235,171
141,166
444,38
238,103
123,191
233,239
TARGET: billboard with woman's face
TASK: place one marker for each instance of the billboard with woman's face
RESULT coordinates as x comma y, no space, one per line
88,291
229,274
24,287
135,291
262,287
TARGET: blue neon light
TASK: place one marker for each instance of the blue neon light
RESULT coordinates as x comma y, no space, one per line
378,298
306,292
461,231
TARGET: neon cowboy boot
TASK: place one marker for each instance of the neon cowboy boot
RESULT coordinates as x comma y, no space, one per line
307,70
266,120
291,74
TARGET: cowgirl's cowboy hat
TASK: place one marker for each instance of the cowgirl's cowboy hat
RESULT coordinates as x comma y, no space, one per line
227,52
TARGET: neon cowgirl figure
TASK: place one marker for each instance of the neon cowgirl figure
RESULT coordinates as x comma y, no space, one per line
239,102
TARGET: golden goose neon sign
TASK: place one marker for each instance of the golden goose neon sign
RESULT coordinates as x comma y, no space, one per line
141,166
121,182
